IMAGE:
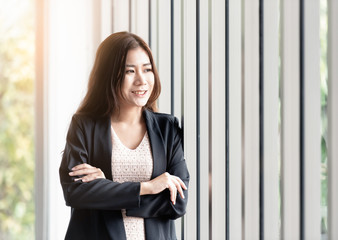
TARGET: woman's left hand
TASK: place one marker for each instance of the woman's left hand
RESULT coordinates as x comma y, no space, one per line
87,172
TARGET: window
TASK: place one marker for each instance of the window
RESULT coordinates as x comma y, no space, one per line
17,50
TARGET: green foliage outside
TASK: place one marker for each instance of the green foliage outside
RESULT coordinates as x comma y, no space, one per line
17,119
324,92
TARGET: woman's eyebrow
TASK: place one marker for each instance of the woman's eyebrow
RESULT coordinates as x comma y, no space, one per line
132,65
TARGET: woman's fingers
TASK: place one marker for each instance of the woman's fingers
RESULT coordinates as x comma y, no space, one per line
173,192
173,183
178,184
88,172
165,181
93,176
82,166
181,183
83,171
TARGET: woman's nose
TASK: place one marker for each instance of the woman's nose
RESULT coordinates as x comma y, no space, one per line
141,78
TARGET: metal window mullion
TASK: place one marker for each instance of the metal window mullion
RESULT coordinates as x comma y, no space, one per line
130,16
172,57
332,119
189,98
270,114
176,77
227,117
312,113
198,122
261,120
181,27
251,120
235,121
164,55
210,157
204,121
120,16
140,19
218,123
149,24
177,58
290,117
153,24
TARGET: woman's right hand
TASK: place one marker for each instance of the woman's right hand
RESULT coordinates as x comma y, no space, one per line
162,182
88,173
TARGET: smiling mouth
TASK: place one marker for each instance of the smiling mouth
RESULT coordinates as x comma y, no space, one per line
140,92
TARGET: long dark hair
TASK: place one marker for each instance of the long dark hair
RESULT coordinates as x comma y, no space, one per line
106,78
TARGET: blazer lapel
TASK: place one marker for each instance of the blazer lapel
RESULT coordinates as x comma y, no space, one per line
157,144
103,146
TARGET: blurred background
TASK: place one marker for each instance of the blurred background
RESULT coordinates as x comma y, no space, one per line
17,82
254,82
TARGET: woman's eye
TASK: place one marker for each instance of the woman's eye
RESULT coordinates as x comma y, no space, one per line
129,71
148,70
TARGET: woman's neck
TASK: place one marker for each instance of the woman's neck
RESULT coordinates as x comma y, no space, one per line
128,116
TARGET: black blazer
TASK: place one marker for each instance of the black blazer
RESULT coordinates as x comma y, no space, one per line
96,206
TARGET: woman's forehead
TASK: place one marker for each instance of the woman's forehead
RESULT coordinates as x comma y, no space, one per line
137,56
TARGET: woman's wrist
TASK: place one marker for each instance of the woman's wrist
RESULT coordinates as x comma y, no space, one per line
145,188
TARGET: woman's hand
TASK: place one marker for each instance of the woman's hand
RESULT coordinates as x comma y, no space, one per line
164,181
87,172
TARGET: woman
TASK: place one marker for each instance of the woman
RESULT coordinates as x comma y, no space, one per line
123,171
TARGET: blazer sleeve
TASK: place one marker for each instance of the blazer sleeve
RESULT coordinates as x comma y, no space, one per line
159,205
101,194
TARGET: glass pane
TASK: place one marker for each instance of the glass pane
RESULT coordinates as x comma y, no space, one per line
17,119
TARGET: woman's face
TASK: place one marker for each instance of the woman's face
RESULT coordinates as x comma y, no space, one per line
138,81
